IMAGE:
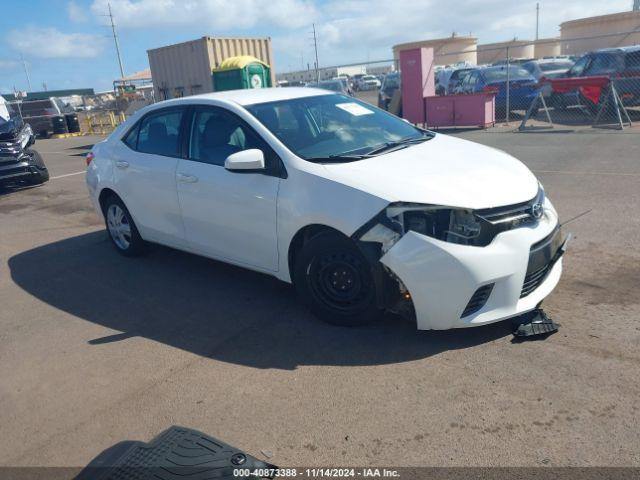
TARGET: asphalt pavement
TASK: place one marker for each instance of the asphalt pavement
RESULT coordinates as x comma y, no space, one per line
96,348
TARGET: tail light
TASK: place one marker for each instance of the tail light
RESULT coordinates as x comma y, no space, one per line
89,158
490,89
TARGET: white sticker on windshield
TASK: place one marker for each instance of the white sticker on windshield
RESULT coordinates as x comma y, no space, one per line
354,109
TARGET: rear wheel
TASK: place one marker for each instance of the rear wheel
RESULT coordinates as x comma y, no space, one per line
122,229
335,281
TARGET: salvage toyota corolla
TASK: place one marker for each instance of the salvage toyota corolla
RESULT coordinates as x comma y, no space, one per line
360,210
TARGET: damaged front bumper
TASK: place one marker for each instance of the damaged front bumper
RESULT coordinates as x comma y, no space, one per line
454,286
23,168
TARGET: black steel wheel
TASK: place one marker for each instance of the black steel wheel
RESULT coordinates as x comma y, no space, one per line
335,280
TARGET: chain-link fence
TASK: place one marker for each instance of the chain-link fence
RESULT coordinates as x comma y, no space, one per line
578,82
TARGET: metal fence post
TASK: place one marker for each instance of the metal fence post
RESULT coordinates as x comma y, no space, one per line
508,86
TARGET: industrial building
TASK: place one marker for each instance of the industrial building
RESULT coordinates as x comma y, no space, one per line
447,51
547,47
606,31
493,52
185,68
328,73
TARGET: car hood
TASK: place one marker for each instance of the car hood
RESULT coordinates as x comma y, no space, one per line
441,171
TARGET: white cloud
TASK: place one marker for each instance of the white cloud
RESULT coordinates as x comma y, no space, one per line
8,64
358,30
76,13
208,14
52,43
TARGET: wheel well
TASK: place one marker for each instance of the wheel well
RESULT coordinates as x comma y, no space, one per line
104,195
303,236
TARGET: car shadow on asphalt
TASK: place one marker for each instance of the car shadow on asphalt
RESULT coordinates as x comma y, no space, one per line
213,309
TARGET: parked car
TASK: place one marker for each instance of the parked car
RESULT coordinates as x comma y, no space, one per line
346,85
18,162
548,68
621,65
368,82
360,210
389,86
50,116
448,80
337,86
523,88
356,80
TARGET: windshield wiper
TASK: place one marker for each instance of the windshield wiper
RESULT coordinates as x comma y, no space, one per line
397,144
339,158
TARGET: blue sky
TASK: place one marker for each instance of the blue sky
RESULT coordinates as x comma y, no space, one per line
67,43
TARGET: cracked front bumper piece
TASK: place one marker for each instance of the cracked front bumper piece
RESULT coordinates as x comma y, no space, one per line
454,286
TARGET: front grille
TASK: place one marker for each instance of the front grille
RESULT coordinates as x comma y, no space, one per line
478,300
10,149
520,213
534,279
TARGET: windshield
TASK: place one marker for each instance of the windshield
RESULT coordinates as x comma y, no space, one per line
327,126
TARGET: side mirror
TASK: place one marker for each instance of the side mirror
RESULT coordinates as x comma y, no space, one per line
246,160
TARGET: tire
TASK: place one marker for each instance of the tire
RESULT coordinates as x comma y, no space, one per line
335,280
121,228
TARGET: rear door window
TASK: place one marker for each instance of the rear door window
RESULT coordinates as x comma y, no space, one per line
159,133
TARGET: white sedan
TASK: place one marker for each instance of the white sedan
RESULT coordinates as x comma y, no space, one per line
361,211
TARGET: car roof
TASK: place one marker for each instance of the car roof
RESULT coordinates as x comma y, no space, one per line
258,95
551,60
631,49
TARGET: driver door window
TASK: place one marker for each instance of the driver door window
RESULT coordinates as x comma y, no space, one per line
216,134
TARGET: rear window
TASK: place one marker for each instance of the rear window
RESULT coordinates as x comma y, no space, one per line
499,74
548,67
38,108
632,61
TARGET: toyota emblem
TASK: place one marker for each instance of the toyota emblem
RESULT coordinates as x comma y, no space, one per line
537,210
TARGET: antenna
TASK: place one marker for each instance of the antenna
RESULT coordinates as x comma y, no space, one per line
115,39
26,71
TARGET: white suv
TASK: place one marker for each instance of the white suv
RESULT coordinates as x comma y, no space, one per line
362,211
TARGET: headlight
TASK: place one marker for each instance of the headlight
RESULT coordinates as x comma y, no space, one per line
448,224
455,225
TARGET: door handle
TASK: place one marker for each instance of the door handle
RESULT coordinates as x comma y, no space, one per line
122,164
184,178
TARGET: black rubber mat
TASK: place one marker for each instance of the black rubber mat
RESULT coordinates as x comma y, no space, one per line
176,453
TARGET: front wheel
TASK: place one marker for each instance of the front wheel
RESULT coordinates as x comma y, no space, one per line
122,229
335,280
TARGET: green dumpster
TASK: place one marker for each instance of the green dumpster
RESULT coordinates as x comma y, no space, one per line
241,72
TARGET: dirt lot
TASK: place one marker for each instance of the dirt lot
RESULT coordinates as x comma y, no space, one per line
96,348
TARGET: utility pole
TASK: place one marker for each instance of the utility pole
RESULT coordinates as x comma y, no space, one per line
315,46
537,19
115,39
26,71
